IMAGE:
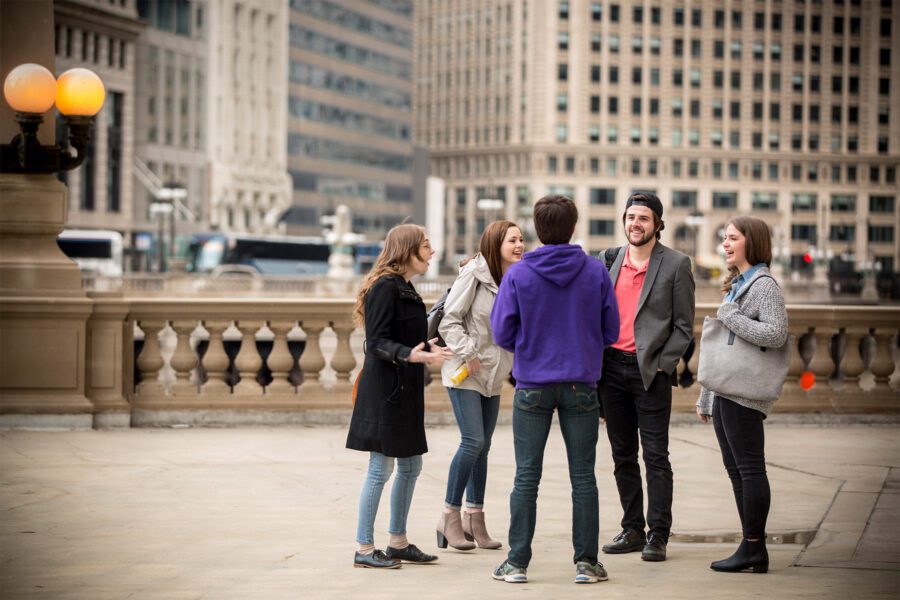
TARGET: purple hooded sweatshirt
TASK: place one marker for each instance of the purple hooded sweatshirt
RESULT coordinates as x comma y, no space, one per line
556,311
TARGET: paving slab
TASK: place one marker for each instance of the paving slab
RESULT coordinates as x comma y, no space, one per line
265,513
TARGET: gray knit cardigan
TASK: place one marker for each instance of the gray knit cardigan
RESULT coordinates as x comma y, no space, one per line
759,316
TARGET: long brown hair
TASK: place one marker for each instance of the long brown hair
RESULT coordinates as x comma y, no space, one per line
757,245
401,244
489,247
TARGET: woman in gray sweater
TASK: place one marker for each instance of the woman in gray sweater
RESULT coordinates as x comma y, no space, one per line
753,308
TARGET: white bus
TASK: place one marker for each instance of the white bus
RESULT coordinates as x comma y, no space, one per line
97,252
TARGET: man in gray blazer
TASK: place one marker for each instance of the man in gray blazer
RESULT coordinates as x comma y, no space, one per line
655,291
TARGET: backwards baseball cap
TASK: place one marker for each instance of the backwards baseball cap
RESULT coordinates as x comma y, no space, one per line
648,199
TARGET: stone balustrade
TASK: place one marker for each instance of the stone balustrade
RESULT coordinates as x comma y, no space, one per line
851,351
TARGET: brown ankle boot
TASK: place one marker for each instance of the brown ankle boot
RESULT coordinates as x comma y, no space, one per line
449,531
474,528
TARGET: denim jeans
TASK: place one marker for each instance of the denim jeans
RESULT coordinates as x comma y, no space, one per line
579,419
742,440
476,416
634,414
380,469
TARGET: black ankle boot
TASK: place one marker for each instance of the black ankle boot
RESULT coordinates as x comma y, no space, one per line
749,555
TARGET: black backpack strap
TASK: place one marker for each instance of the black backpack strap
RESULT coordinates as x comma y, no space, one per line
609,256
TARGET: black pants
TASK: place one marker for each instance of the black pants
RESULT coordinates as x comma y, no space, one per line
634,414
741,438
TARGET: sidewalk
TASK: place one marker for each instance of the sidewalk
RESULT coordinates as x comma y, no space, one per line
271,513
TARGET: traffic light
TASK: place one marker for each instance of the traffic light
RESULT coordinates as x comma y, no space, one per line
808,257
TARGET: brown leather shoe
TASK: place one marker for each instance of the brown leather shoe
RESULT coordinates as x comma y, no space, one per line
475,529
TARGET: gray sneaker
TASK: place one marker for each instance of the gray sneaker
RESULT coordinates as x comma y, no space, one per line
586,572
510,573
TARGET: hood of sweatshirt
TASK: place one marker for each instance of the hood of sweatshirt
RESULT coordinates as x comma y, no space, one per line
557,263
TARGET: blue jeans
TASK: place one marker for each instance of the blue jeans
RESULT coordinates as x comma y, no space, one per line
380,469
579,421
476,416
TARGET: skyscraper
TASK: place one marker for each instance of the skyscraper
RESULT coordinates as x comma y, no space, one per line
784,109
350,107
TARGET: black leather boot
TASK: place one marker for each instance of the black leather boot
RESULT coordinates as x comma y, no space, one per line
749,555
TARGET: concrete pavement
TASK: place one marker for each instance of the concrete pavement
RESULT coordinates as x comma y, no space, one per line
260,513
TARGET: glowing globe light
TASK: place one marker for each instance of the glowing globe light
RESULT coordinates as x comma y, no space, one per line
30,88
79,93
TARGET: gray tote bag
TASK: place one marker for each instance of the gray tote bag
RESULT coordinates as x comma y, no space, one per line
732,367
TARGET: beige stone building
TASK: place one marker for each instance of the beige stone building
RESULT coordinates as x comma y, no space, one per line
350,105
246,116
786,109
171,111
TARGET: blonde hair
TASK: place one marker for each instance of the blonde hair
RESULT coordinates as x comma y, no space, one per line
401,244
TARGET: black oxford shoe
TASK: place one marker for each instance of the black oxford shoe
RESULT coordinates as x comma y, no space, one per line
655,550
376,560
410,554
627,541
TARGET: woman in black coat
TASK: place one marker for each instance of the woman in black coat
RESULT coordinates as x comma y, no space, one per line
389,415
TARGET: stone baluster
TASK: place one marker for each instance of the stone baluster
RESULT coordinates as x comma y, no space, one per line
882,364
215,361
151,360
795,368
183,360
821,363
312,361
852,364
280,360
343,361
248,360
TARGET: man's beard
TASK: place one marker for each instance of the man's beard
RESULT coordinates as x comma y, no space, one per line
645,239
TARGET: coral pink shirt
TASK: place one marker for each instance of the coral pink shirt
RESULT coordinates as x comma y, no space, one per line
628,292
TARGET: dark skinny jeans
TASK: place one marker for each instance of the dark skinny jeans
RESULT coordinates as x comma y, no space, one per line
742,440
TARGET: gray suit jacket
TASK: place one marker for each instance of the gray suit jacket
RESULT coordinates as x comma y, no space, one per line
664,325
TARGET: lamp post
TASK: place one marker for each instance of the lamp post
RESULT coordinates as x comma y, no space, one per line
42,303
490,206
31,90
163,205
695,220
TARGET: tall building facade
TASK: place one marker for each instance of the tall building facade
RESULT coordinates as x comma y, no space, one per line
102,36
171,111
350,114
785,109
246,113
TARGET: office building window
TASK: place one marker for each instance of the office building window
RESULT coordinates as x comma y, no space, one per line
684,199
843,203
764,201
881,233
725,200
881,204
602,227
603,196
803,202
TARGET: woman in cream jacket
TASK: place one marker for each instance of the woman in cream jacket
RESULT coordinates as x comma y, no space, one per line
466,328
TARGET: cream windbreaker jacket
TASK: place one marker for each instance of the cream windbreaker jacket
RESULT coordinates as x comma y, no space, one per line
466,328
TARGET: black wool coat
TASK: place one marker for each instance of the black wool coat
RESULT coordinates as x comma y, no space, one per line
389,415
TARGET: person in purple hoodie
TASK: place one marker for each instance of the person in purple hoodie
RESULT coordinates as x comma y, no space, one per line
554,309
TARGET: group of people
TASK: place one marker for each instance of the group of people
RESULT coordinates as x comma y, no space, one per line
592,340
